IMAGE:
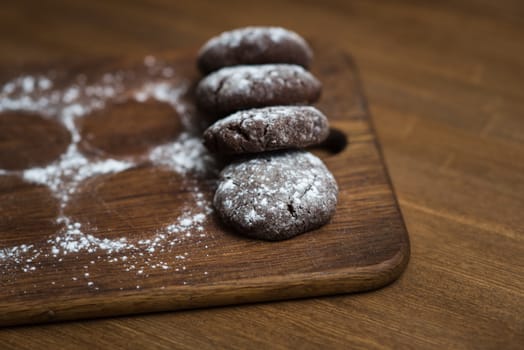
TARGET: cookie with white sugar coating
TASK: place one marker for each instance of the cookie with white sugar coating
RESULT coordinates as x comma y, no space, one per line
277,195
254,45
267,129
243,87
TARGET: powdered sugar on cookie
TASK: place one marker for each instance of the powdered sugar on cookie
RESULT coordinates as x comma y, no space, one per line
267,129
242,87
243,80
254,45
252,36
276,196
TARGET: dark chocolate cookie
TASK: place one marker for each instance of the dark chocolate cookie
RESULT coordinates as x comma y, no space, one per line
267,129
242,87
277,195
254,45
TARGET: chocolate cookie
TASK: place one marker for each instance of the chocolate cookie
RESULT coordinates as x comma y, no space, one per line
254,45
267,129
242,87
277,195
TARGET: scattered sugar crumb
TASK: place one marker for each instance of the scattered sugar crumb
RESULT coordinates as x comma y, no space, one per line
184,155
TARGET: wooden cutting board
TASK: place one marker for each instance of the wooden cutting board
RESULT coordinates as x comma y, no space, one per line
122,223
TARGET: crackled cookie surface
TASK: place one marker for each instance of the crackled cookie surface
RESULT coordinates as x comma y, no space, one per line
267,129
243,87
277,195
254,45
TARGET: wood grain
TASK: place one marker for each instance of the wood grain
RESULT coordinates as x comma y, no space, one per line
444,81
364,247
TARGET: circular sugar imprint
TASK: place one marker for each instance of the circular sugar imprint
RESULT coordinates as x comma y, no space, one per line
136,204
29,213
128,128
29,140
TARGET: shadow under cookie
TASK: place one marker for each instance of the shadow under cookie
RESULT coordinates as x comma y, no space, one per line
29,140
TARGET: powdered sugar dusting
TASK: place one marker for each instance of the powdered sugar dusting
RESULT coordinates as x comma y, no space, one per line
164,91
303,125
292,190
64,176
266,114
185,154
247,80
259,36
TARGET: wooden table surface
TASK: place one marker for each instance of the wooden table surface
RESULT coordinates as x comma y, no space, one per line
445,85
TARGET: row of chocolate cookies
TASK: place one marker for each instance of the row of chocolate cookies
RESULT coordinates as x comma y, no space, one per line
257,80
